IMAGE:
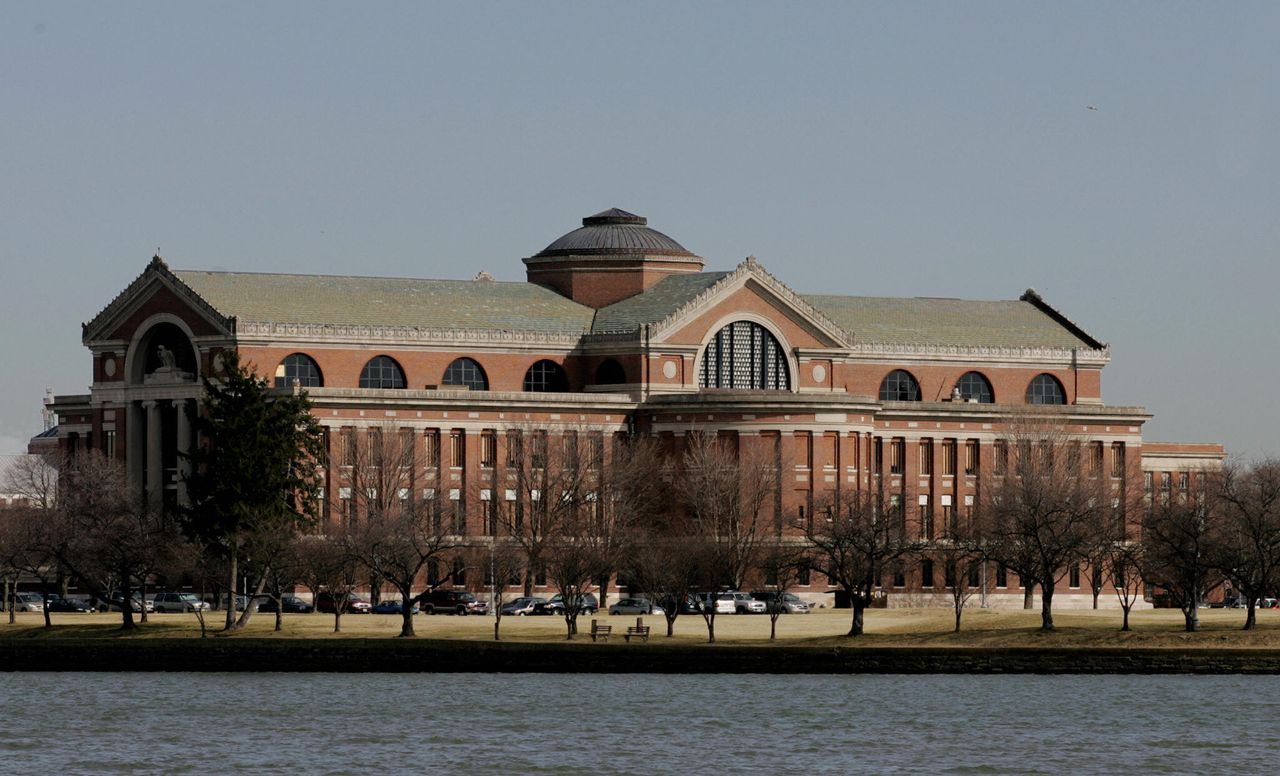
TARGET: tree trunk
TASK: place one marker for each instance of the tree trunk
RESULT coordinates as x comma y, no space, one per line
497,620
142,615
1192,617
1251,617
856,628
671,624
406,614
711,628
1028,596
230,623
1046,606
1095,598
248,602
959,612
279,615
1126,608
337,618
773,627
47,622
126,604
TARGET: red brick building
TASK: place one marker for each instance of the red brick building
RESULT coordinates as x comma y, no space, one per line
617,330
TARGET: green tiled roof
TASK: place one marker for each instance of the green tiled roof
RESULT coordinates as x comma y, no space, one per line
924,321
327,299
664,298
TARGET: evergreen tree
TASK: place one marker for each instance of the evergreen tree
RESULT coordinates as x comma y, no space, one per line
256,468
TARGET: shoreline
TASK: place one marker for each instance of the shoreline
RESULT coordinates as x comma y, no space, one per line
422,655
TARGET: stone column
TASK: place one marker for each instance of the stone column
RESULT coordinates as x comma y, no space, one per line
155,464
133,441
184,449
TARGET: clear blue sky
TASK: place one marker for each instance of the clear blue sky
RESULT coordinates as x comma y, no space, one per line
913,149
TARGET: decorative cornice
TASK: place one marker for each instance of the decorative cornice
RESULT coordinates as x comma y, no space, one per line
1098,357
364,333
753,269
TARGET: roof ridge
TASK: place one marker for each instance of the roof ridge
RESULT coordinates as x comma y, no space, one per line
352,277
1038,301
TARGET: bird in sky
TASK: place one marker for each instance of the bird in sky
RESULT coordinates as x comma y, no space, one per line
1090,107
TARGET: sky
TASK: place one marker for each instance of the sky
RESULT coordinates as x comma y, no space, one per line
1120,158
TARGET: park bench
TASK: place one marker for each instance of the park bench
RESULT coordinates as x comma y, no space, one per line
639,630
600,631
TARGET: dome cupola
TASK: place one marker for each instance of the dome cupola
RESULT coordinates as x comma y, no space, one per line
614,255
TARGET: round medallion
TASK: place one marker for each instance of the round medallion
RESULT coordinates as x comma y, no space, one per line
669,370
819,373
217,363
109,367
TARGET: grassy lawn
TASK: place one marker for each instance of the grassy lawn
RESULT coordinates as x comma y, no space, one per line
892,627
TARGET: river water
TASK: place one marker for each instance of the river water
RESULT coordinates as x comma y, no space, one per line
643,724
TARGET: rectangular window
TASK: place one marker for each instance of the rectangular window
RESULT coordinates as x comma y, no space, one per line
431,452
803,575
949,520
926,573
348,441
488,449
926,457
458,506
975,575
1073,576
971,457
949,457
949,573
538,455
899,575
926,519
1095,459
1183,481
109,443
897,456
490,505
1001,449
1002,576
1117,459
830,450
595,451
459,572
515,449
897,512
1146,483
878,456
804,450
457,449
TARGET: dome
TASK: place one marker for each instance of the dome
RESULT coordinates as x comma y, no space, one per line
614,232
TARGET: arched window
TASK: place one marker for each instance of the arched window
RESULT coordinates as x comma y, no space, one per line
466,372
974,387
300,367
382,372
899,385
610,372
744,355
1045,389
546,376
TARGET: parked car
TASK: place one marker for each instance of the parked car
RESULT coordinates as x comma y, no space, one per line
733,602
28,602
453,602
523,605
289,604
218,602
115,603
178,602
787,603
354,604
587,603
392,607
60,604
636,606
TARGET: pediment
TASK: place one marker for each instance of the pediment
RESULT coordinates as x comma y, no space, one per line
752,292
156,290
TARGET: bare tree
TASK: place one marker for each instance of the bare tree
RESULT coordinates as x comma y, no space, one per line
328,565
1248,554
1038,504
781,564
1181,541
113,536
1125,563
728,488
506,564
33,530
963,550
668,566
394,533
854,543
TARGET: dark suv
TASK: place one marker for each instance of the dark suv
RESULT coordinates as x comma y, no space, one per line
453,602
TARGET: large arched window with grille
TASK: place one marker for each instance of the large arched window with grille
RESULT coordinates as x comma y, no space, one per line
299,367
466,372
382,372
744,355
899,385
546,377
1045,389
973,386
